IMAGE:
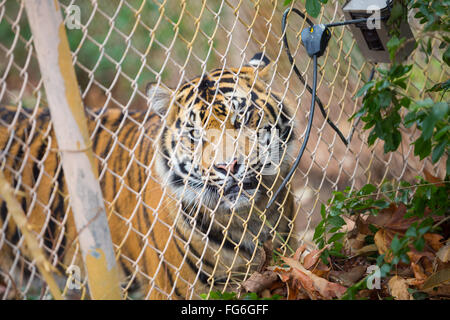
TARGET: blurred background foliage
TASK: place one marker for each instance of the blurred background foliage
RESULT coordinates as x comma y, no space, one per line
121,44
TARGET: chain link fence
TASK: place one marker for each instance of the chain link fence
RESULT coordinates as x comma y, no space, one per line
120,46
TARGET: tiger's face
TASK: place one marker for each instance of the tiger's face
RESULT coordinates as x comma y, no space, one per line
224,138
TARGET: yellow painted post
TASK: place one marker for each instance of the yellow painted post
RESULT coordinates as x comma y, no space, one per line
70,125
35,252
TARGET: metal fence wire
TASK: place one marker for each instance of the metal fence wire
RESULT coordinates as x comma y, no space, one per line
171,239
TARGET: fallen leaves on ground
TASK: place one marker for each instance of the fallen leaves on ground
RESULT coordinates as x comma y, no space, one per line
444,253
305,276
260,281
398,288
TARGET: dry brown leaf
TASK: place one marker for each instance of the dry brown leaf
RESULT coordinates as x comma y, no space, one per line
434,240
437,279
312,258
414,282
356,238
264,255
383,239
299,252
427,265
277,285
297,285
325,288
433,179
444,253
392,218
265,294
353,245
283,273
419,274
360,227
281,291
398,287
365,249
321,270
302,281
260,281
415,256
348,278
440,291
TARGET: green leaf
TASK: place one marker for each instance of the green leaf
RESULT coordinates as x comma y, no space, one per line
393,45
419,244
319,230
323,212
385,98
396,244
335,229
287,2
336,237
441,132
250,296
229,296
410,119
406,102
446,56
438,151
404,258
422,148
448,166
372,137
364,88
367,189
442,86
385,268
396,12
313,7
399,70
382,204
427,103
335,211
411,232
336,253
373,228
401,83
420,295
336,221
437,113
361,112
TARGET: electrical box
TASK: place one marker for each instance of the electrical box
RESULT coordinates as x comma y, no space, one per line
373,35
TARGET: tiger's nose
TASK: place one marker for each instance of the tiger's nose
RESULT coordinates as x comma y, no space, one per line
224,167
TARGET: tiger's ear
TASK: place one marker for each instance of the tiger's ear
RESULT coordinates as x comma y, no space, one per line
158,97
262,64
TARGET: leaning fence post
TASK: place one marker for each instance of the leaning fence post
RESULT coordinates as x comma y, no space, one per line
70,125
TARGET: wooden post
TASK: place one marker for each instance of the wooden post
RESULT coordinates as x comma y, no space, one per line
36,253
70,125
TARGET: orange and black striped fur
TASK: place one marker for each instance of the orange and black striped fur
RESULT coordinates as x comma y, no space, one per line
186,215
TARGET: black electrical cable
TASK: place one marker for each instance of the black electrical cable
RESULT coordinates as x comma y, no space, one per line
347,22
314,98
298,73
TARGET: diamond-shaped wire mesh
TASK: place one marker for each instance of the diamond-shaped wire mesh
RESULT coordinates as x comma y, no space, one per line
118,48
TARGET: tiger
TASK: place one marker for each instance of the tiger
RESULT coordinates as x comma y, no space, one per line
185,182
